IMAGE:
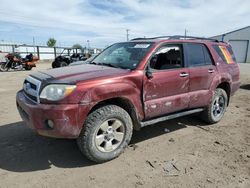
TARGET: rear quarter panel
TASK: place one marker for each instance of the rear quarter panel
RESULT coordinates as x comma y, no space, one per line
229,73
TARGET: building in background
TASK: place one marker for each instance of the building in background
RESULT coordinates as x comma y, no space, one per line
239,39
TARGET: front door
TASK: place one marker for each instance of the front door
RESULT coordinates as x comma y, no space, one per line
166,90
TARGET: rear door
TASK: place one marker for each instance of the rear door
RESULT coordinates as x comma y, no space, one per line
167,90
201,73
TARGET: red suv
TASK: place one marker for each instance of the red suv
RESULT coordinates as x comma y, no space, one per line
128,86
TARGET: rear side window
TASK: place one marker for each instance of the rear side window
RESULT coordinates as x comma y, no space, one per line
198,55
225,53
207,56
230,50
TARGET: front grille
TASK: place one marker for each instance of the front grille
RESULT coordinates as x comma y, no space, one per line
31,87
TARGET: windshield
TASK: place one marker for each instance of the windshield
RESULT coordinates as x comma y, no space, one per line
125,55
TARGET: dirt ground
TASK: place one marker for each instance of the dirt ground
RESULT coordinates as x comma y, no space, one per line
177,153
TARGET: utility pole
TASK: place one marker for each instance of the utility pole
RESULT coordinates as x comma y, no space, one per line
34,44
88,44
127,30
186,33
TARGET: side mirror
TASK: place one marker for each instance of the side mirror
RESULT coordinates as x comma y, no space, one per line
149,72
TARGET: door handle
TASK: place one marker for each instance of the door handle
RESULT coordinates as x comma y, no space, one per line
211,70
184,74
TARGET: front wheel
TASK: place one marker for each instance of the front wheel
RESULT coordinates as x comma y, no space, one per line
4,67
63,64
106,133
217,108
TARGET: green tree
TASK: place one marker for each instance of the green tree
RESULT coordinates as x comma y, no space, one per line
77,46
51,42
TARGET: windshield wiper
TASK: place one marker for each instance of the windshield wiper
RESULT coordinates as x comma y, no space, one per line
104,64
94,63
109,65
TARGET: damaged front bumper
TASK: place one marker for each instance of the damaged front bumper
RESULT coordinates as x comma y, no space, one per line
52,120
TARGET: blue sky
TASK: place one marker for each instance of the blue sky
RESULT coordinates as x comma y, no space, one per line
104,22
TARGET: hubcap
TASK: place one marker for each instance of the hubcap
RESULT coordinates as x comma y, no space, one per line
218,106
109,135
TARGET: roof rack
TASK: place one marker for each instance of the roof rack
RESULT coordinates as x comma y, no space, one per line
177,37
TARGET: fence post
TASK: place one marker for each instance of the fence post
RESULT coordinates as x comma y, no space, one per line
37,51
13,48
55,51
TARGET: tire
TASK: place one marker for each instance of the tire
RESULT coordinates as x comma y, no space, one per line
63,64
101,129
54,64
215,111
57,64
4,67
28,68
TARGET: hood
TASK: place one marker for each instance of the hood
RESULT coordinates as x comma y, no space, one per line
74,74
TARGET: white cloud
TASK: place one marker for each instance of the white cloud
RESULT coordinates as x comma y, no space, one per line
104,22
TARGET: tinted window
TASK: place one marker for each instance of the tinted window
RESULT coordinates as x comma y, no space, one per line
207,56
195,54
225,53
167,57
230,50
219,52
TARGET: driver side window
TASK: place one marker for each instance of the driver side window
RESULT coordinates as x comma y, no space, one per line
167,57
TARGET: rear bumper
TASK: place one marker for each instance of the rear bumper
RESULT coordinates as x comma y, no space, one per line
68,119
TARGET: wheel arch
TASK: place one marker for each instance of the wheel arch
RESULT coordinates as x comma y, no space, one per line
124,103
225,86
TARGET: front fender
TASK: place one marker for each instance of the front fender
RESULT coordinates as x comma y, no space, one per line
128,91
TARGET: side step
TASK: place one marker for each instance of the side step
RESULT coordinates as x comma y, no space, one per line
171,116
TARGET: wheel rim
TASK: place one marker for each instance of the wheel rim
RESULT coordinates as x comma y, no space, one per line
218,106
4,67
109,135
64,64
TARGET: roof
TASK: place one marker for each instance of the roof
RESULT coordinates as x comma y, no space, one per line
232,31
175,38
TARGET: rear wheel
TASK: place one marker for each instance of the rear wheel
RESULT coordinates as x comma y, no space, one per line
106,133
28,67
217,108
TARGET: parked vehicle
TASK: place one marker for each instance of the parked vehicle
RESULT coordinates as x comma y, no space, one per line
128,86
65,60
15,62
89,60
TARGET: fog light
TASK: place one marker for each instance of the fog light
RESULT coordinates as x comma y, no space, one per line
49,123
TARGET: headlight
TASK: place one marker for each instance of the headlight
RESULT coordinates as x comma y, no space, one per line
55,92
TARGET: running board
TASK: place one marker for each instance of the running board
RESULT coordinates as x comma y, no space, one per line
172,116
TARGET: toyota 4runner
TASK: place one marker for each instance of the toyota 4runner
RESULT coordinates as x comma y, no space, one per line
128,86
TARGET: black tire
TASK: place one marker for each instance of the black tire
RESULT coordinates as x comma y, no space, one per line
92,126
63,64
209,115
4,67
54,64
28,68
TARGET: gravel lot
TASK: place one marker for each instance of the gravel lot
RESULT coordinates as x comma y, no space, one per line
177,153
